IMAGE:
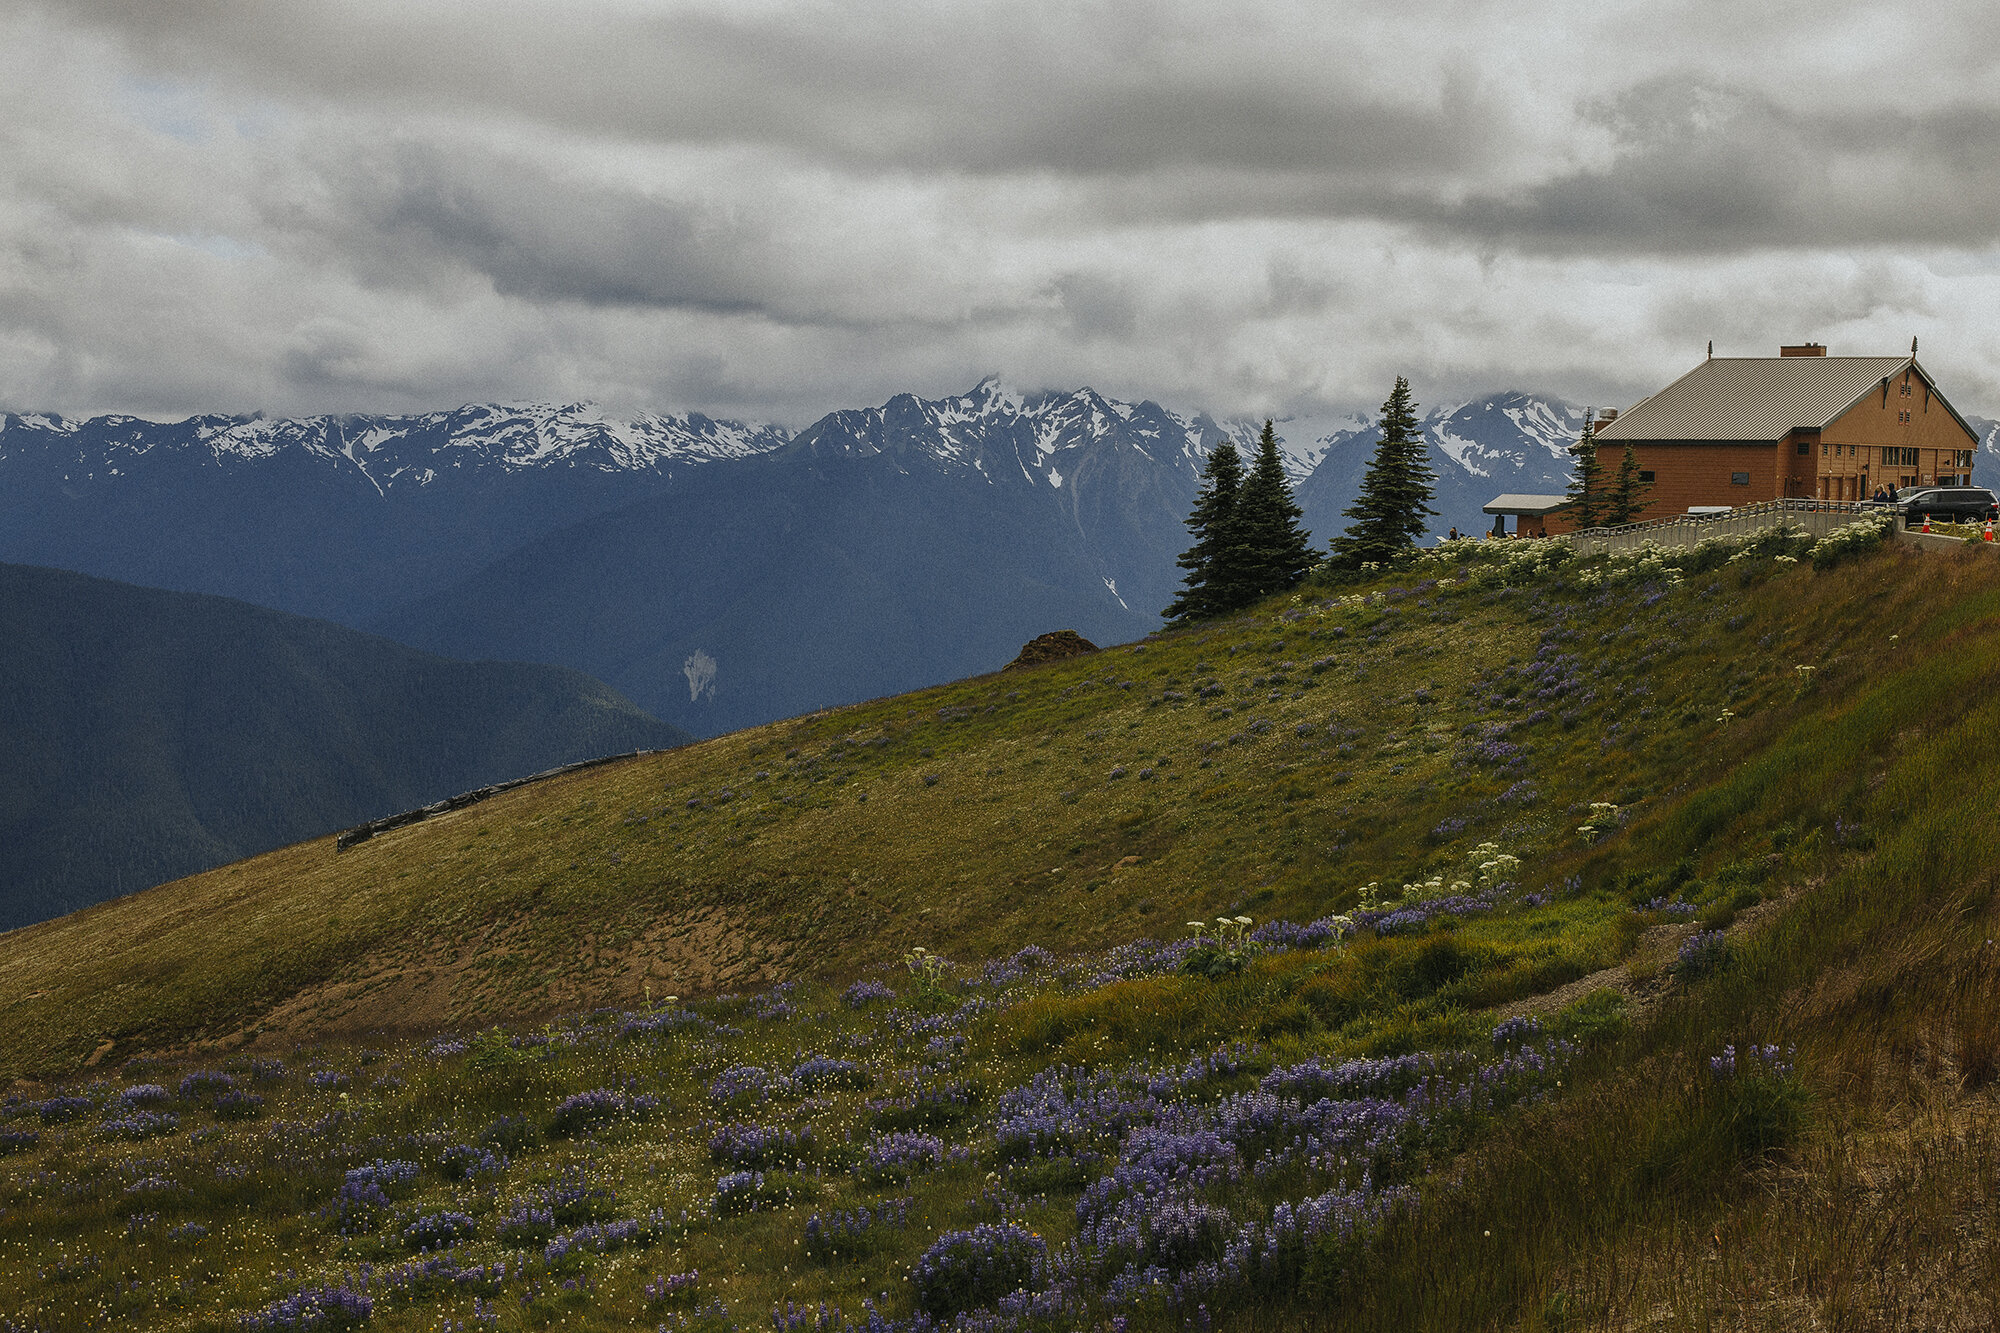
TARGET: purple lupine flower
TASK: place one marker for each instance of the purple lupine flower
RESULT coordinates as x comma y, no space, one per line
760,1145
663,1289
1007,971
821,1071
204,1083
744,1192
863,993
438,1231
901,1154
365,1191
601,1238
772,1007
1767,1061
528,1223
132,1098
1704,952
585,1110
141,1125
463,1161
963,1270
576,1198
655,1022
849,1230
317,1308
55,1110
747,1081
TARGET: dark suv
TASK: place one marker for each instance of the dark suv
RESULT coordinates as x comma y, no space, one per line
1947,504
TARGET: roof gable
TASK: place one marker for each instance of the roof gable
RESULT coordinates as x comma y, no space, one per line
1761,398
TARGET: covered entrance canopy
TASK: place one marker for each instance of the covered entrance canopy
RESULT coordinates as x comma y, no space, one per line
1529,512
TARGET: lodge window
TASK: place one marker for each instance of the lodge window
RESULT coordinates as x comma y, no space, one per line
1896,457
1805,447
1739,479
1645,477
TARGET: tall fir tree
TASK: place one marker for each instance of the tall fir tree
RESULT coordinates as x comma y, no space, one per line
1270,551
1396,491
1203,586
1628,492
1586,505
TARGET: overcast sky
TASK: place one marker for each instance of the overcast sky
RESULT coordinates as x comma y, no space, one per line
768,209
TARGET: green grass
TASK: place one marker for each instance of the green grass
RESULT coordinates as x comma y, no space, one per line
1857,800
984,815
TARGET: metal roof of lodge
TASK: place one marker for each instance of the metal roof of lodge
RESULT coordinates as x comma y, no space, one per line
1759,398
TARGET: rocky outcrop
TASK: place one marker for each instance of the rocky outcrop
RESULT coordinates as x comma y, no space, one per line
1051,648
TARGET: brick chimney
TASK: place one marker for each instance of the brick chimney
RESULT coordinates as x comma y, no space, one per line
1803,349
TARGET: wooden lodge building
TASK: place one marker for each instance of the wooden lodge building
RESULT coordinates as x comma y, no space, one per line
1802,424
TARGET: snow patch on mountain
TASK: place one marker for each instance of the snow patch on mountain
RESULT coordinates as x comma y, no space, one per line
1553,426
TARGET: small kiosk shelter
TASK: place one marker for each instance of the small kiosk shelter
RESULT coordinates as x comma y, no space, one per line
1530,513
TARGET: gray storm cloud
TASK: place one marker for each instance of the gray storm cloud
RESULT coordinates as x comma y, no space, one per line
772,209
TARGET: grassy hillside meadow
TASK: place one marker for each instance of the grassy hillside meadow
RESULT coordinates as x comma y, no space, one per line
1620,951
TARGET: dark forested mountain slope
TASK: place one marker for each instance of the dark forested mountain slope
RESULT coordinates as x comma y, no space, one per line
151,734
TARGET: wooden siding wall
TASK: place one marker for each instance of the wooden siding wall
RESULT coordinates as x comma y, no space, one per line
1855,440
1685,475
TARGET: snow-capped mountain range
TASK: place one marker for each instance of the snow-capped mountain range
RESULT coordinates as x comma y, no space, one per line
400,451
1034,430
877,549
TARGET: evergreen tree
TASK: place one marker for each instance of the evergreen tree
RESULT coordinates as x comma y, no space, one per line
1628,493
1211,522
1395,493
1586,484
1270,551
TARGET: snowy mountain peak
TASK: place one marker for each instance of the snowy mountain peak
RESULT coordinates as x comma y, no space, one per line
995,394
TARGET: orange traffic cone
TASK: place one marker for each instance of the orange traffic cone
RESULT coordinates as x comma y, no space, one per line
1927,522
1988,535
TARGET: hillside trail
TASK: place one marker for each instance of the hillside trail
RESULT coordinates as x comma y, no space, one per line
1646,977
